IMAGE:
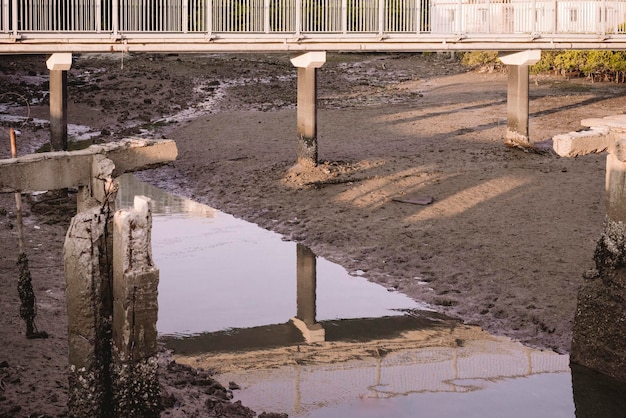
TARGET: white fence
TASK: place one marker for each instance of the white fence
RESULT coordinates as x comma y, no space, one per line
346,17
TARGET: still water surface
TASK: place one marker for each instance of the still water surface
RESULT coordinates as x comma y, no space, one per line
302,336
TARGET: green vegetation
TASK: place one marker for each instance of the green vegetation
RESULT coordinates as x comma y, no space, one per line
596,65
481,59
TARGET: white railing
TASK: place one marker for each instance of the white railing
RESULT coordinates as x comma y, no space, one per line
313,16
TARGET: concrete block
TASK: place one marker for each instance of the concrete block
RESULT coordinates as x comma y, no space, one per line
63,169
312,333
614,122
528,57
46,171
314,59
136,154
59,61
572,144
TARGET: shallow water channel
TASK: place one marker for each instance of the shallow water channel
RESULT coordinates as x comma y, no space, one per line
301,335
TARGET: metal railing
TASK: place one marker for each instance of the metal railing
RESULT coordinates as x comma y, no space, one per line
347,17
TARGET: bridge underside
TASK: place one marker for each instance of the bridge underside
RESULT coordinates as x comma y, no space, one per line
51,43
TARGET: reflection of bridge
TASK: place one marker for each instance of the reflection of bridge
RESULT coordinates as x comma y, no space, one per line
307,363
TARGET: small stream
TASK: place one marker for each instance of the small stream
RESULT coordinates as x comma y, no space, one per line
300,335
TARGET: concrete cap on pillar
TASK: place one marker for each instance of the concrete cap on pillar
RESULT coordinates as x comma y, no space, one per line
528,57
59,61
313,59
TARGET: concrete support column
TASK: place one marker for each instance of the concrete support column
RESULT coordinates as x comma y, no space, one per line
306,296
517,131
136,390
307,64
517,105
87,255
58,64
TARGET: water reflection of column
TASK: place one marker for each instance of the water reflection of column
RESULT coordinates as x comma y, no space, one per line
306,296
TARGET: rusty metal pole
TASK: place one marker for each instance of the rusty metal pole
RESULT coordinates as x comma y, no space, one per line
28,311
18,196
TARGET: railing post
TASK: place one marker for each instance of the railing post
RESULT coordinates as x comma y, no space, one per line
459,11
185,17
556,16
209,18
533,16
115,18
603,17
418,15
266,16
489,16
98,16
344,16
298,17
381,17
14,18
4,25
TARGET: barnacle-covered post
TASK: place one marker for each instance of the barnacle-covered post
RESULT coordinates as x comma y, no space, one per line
599,337
135,311
87,257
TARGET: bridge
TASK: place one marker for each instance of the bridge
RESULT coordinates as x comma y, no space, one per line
307,29
46,26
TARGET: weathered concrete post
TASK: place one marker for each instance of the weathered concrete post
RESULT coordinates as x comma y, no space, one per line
136,390
517,63
599,335
58,64
307,64
305,319
87,255
104,382
88,292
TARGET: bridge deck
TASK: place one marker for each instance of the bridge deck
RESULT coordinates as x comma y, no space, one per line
46,26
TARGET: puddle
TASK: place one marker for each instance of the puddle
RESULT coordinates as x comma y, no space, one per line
219,272
301,336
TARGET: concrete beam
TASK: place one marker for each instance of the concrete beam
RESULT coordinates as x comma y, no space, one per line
615,122
312,333
309,59
528,57
573,144
61,61
59,170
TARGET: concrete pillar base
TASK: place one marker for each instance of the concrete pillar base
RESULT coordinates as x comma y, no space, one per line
136,388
